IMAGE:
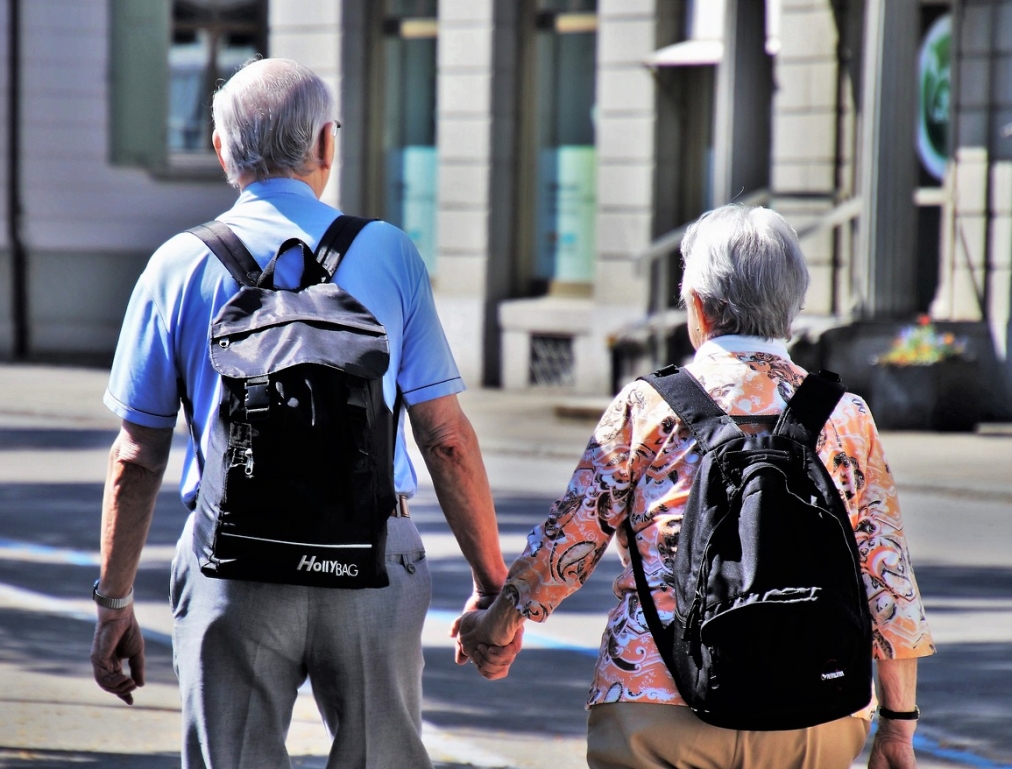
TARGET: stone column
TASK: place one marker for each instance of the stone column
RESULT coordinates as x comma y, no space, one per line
626,121
885,272
808,118
316,41
1000,301
466,123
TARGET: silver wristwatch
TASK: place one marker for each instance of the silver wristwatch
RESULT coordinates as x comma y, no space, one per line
111,603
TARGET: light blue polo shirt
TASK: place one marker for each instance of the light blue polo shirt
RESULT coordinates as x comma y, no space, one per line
164,341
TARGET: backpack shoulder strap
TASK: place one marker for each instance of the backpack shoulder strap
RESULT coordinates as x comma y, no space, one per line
810,407
230,251
708,422
663,636
337,240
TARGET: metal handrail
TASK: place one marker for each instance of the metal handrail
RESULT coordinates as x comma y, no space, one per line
672,240
841,214
657,253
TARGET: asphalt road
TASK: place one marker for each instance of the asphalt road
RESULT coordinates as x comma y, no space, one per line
956,492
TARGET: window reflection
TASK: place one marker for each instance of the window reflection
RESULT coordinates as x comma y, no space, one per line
211,39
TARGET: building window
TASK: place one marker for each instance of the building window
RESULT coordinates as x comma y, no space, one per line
166,58
409,161
210,41
560,162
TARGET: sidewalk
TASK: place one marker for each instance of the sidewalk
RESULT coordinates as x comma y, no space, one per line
546,426
553,425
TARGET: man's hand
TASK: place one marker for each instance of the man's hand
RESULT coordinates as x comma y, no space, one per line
893,746
478,600
486,643
117,638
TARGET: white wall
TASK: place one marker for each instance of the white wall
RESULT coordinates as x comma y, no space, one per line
87,225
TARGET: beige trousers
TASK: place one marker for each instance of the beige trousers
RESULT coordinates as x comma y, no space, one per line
633,735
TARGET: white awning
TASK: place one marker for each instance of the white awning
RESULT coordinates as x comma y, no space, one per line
705,43
688,53
705,38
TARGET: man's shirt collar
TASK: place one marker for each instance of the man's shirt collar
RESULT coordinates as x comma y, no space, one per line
278,185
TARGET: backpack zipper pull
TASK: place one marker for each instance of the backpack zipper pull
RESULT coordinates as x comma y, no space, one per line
692,621
248,454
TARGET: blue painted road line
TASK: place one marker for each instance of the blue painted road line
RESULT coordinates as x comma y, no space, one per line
31,551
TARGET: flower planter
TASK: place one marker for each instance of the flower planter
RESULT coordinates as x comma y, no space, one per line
938,396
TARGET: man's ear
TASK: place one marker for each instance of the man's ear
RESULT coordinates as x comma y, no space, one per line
327,146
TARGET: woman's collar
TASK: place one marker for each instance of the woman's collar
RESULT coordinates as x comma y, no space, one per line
736,343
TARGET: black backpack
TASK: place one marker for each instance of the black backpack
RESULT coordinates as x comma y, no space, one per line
772,628
298,485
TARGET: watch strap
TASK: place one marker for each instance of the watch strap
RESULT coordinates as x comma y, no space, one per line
899,715
111,603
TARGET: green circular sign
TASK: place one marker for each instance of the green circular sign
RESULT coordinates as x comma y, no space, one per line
934,92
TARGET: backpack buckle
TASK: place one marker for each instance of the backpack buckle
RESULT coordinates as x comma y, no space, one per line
258,398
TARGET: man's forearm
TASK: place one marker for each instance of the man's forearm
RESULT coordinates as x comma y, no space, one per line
134,478
461,483
450,449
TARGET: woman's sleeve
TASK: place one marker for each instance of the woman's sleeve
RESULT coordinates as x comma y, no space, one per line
562,551
899,627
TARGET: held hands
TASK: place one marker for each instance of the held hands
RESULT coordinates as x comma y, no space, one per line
486,638
117,638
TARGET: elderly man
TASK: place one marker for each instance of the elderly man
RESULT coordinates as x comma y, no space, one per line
744,281
242,649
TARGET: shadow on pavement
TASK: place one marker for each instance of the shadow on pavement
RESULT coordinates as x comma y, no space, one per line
37,759
35,438
966,685
968,582
61,646
544,693
67,516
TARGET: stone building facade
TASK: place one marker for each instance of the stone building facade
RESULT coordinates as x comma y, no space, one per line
545,155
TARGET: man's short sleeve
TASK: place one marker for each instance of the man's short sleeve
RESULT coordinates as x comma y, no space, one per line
143,383
384,271
427,368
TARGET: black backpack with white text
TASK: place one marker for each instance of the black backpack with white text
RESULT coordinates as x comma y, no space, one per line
772,628
297,485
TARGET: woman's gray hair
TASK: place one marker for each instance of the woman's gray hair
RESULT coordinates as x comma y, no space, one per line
269,116
746,266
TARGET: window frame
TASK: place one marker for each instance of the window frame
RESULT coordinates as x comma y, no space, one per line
141,33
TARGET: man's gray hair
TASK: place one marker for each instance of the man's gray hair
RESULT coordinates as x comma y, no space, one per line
269,116
746,266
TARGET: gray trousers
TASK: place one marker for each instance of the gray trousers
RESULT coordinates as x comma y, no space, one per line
242,649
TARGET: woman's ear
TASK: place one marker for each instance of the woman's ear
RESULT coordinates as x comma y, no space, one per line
216,143
699,325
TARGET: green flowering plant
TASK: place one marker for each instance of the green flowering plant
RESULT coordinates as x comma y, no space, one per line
922,345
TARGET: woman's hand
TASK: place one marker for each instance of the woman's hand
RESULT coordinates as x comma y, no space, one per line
893,745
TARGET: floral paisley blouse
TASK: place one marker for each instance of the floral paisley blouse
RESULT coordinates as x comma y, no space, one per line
640,463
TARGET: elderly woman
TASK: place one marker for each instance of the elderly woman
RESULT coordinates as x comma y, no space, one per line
744,282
